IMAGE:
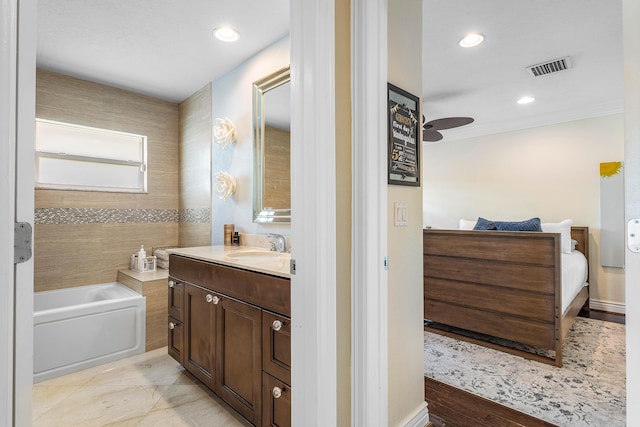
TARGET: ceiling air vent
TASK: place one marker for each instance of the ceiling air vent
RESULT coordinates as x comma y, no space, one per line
549,67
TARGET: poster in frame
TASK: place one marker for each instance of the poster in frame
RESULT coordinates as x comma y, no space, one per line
403,163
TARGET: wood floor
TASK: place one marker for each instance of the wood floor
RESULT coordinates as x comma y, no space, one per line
452,407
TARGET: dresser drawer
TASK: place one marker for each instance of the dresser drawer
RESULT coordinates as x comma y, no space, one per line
276,402
276,346
176,339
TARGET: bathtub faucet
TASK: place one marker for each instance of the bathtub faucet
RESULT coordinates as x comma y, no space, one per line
278,242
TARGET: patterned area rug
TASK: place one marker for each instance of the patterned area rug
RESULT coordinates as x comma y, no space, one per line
589,390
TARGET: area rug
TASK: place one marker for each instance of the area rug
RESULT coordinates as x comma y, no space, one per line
589,390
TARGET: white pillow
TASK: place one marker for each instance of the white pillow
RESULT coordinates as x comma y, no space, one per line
562,227
466,224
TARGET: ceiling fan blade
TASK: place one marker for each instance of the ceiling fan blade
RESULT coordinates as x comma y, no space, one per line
448,123
431,135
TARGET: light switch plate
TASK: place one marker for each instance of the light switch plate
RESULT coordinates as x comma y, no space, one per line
401,214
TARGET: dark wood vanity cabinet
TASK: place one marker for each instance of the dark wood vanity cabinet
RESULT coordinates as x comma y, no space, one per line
199,335
176,320
276,398
230,343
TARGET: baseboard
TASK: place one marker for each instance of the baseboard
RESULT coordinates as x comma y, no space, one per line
420,419
610,306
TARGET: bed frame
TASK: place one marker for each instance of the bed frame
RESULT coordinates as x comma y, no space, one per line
500,284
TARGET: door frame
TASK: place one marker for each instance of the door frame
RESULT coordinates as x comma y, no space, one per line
631,42
313,223
369,312
8,78
17,112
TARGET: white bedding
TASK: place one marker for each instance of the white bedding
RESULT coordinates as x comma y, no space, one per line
574,276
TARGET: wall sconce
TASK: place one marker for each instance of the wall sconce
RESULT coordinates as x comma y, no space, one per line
224,132
224,185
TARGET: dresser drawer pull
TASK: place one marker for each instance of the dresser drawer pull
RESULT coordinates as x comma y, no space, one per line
172,325
277,392
276,325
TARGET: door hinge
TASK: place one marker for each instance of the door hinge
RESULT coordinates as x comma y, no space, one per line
21,242
386,263
292,266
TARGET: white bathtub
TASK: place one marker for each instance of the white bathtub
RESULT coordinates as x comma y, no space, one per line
77,328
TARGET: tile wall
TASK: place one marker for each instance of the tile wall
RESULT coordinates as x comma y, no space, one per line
195,169
84,237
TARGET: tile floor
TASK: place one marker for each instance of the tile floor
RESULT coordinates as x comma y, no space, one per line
149,389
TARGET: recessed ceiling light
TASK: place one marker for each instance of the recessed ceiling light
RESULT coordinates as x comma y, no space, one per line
226,34
526,100
471,40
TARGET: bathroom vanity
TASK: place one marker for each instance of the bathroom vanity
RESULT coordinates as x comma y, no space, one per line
229,325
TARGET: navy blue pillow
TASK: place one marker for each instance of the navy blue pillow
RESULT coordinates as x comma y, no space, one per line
532,224
484,224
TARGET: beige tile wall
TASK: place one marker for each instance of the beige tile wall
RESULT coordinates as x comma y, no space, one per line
277,169
68,255
195,168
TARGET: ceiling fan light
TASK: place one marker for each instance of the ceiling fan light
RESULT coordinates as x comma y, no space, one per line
526,100
226,34
471,40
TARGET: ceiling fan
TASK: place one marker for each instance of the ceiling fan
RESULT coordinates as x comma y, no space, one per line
430,129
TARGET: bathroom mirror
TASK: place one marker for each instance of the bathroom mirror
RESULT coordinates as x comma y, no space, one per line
271,148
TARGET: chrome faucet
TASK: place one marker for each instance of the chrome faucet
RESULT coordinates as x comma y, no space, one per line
278,242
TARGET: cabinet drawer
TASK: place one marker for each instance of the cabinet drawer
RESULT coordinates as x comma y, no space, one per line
176,299
176,339
276,342
276,406
269,292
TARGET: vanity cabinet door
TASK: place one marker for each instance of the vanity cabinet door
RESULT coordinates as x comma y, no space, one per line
176,299
176,339
199,342
276,342
276,402
239,347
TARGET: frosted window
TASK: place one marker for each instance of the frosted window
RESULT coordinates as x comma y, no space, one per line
74,157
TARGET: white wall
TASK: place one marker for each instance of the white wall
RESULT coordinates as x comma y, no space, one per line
405,280
232,97
551,172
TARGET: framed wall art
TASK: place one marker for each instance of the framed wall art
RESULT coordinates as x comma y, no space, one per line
404,137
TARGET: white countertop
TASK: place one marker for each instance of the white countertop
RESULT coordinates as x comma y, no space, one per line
276,264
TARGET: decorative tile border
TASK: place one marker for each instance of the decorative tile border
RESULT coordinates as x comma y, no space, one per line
199,216
119,216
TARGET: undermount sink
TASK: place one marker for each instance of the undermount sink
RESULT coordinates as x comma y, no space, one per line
240,255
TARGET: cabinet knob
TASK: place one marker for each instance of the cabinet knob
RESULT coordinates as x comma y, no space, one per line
209,297
172,325
276,325
171,283
215,299
276,392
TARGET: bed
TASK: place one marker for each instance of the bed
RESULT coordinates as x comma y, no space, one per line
504,289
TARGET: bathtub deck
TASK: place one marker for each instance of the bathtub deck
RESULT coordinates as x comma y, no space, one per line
153,286
149,389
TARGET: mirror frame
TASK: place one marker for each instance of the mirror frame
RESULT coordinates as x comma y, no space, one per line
260,87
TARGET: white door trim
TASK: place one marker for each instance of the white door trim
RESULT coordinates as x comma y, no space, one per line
631,42
8,78
25,200
369,284
313,226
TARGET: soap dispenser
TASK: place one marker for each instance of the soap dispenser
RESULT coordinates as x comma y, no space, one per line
142,255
